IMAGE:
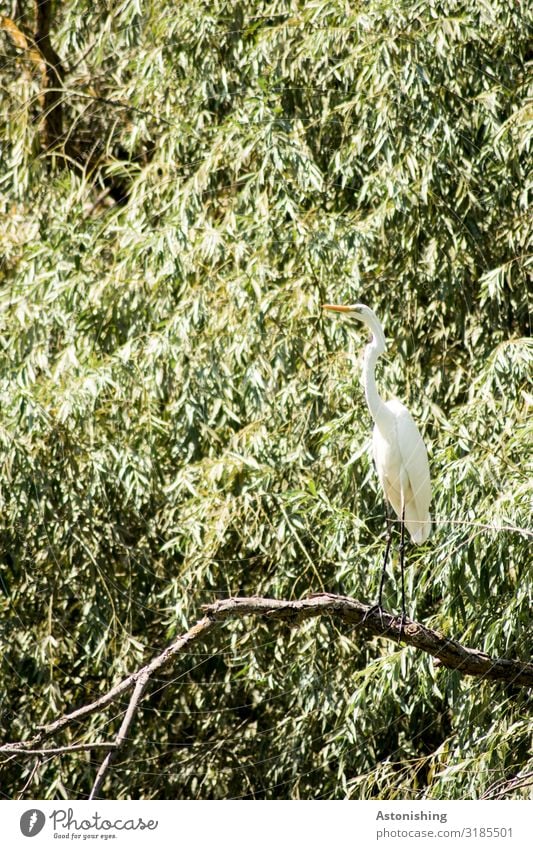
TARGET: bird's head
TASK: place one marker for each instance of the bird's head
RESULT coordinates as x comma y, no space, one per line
361,313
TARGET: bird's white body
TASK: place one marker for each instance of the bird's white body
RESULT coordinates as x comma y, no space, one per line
402,465
400,455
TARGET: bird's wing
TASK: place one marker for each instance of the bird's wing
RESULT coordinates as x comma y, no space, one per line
417,488
388,463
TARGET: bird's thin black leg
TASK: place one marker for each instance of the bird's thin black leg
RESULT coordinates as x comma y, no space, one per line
385,559
402,568
378,606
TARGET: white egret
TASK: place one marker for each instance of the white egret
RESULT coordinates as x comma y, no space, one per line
399,453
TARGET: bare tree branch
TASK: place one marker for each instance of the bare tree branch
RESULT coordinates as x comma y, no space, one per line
447,652
202,627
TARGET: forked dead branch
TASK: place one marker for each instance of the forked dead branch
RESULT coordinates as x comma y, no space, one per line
447,652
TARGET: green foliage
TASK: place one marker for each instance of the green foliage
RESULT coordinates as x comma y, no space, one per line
178,423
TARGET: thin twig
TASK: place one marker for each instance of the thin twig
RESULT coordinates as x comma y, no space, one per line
30,778
140,686
58,750
502,788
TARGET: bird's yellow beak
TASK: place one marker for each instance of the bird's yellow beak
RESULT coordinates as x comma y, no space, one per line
335,308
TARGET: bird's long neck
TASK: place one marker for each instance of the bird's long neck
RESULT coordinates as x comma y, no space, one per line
376,405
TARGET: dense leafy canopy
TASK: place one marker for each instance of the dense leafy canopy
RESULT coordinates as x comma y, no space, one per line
178,422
